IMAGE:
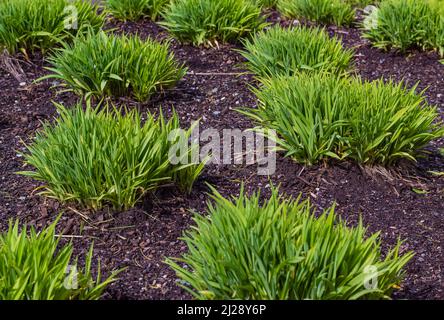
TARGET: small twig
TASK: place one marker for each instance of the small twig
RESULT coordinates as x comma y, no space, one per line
79,213
305,181
12,66
121,237
104,221
219,73
70,236
120,228
300,172
150,215
137,263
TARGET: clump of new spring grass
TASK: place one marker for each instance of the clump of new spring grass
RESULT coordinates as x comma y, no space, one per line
101,156
280,250
319,116
136,9
101,64
30,25
35,266
211,22
338,12
406,24
280,51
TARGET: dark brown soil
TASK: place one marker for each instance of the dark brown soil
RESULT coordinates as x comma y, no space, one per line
141,238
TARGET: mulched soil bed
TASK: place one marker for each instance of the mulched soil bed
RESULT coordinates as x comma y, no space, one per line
141,238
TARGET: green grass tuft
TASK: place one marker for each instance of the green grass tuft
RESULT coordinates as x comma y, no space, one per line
102,65
317,116
34,266
136,9
97,157
209,22
30,25
280,51
338,12
406,24
281,250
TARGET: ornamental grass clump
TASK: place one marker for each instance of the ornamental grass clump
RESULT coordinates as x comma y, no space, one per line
406,24
318,116
280,51
338,12
136,9
100,156
103,65
210,22
34,266
30,25
281,250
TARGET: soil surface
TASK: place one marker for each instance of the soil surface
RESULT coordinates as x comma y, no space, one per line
388,201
